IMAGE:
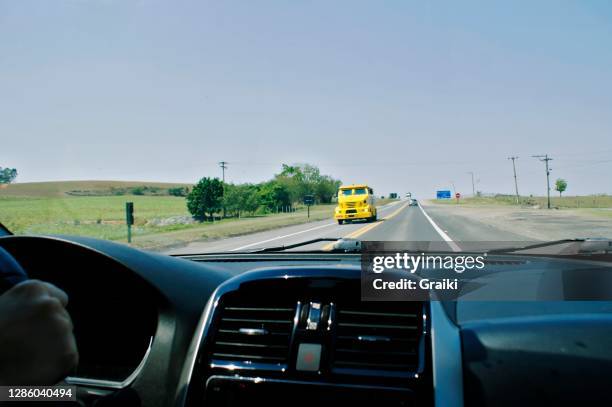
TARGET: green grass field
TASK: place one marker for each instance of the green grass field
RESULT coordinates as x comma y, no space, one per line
53,208
569,202
47,208
104,217
91,216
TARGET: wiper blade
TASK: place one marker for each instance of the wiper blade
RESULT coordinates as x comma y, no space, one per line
342,245
532,246
578,246
292,246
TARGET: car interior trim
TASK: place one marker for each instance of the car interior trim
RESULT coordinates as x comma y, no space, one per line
309,383
446,358
112,384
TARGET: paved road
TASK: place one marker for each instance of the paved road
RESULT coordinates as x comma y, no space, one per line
398,222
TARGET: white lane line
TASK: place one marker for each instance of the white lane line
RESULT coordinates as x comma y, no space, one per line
387,206
282,237
454,246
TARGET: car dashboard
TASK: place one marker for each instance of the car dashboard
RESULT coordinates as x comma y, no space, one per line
302,334
290,328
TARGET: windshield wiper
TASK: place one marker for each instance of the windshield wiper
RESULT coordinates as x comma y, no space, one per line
588,245
292,246
532,246
341,245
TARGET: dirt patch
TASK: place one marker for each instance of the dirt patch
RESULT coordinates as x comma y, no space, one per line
537,224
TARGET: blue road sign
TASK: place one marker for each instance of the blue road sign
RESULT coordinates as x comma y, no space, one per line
445,194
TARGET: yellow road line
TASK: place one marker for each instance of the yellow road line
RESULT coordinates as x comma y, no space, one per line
367,228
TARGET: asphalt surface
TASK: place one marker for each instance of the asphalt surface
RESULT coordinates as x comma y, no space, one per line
397,222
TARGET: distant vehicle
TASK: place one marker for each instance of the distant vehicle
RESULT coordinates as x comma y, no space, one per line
413,202
393,195
355,202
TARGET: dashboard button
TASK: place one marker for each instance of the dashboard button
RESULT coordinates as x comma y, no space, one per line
308,357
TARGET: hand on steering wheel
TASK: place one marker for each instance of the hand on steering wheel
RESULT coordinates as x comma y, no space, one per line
37,346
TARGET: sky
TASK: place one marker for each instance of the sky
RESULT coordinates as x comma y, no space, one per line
402,95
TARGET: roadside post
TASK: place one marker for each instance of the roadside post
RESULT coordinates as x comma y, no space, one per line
129,219
308,200
457,196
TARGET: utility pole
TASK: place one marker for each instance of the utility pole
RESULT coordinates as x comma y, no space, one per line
546,159
473,188
223,165
515,181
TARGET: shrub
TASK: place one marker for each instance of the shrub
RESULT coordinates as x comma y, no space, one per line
178,191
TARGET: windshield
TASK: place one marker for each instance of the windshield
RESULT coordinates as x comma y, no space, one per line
233,127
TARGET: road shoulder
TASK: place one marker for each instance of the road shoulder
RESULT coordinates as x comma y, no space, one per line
510,223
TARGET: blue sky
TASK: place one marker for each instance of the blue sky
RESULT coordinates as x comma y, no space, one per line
403,95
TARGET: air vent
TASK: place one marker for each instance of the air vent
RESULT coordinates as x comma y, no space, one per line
251,334
375,336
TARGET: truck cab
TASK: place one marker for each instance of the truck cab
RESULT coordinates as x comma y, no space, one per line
355,202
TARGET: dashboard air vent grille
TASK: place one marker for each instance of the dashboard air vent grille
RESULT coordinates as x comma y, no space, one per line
250,333
377,336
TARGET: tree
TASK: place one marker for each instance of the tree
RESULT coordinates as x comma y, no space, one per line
273,195
251,203
138,190
326,189
231,199
560,185
205,198
306,179
178,191
236,198
7,175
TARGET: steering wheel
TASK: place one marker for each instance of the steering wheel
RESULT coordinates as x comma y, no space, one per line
11,272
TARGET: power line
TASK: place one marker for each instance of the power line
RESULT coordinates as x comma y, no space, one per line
546,159
513,158
584,153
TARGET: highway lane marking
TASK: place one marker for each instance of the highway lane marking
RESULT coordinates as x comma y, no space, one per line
366,228
362,230
282,237
301,232
454,246
295,234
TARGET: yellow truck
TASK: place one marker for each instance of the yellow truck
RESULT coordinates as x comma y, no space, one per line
355,202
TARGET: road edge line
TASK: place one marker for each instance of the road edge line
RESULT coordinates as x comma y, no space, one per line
454,246
282,237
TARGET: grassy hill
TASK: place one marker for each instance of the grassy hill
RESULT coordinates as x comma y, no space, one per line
58,189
